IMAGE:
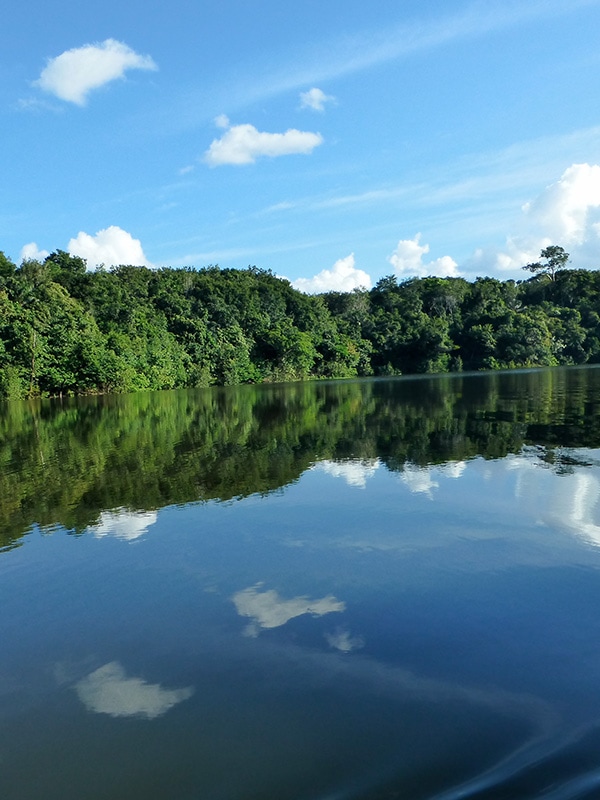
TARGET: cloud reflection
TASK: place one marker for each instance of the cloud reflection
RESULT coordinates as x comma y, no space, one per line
355,472
418,479
575,505
453,469
567,501
267,609
108,690
126,525
341,640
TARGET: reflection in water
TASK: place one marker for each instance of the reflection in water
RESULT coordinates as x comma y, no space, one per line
453,469
564,499
123,524
579,506
479,663
269,610
65,463
554,769
354,471
343,641
419,479
108,690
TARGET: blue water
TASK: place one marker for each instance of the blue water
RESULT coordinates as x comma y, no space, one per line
360,626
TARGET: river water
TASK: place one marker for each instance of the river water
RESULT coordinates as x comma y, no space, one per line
363,589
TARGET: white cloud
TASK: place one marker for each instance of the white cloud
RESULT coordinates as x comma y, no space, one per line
269,610
342,277
74,73
568,209
566,212
516,253
407,260
315,99
222,121
355,472
111,246
31,252
108,690
127,525
243,144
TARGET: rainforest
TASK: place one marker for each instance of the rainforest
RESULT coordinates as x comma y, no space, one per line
66,330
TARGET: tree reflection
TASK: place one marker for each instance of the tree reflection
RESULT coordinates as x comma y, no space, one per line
67,463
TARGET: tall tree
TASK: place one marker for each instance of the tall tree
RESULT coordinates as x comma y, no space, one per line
555,259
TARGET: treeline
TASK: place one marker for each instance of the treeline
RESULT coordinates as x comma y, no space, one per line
66,330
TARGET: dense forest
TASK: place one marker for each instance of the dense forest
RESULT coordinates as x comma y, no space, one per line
67,330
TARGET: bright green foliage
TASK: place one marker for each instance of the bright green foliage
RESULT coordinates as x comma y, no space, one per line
65,330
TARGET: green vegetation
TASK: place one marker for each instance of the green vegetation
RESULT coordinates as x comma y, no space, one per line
64,462
64,330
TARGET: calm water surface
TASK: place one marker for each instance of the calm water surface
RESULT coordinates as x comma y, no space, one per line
364,590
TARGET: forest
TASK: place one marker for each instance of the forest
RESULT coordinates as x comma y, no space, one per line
67,330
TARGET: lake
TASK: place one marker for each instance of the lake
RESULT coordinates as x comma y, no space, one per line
365,589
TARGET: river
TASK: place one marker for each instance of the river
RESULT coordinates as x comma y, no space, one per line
366,589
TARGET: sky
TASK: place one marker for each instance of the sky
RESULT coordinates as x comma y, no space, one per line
333,143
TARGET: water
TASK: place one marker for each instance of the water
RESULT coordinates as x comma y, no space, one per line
364,590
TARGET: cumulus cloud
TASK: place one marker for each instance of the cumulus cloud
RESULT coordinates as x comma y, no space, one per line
108,690
315,99
72,75
566,212
111,246
342,277
243,144
407,261
122,524
267,609
31,252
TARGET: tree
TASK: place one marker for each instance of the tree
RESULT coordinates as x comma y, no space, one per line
66,262
7,267
556,259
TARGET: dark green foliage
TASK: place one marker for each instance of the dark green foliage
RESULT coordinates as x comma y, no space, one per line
555,259
65,461
64,330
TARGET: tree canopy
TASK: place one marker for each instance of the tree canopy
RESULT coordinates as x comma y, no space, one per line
66,330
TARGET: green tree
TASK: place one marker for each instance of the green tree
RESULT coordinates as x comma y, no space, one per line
555,259
7,267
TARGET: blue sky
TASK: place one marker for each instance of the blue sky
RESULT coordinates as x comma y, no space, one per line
330,142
